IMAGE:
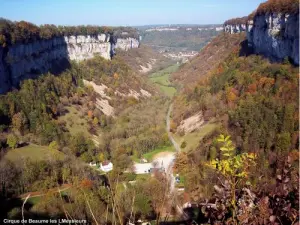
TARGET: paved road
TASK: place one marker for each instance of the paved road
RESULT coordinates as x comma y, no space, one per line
141,168
168,123
176,146
171,177
166,161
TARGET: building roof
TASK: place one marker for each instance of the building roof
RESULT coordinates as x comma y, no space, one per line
105,163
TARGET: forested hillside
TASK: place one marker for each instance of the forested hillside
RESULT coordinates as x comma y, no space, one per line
209,57
144,59
256,103
53,127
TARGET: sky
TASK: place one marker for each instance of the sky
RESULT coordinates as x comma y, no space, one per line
125,12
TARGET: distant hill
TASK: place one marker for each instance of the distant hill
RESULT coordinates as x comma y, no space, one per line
209,57
144,59
178,38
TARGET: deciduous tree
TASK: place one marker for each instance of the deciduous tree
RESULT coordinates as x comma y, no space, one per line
12,141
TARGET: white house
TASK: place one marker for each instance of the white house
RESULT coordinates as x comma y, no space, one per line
93,164
106,166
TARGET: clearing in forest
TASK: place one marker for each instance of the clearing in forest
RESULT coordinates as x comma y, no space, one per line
192,139
32,151
76,121
161,78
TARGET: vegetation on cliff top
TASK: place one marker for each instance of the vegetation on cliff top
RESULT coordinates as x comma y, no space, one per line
26,32
270,6
278,6
236,21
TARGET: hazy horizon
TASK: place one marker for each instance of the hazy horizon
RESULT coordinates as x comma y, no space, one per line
125,13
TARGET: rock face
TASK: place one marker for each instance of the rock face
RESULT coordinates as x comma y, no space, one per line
274,35
234,28
4,75
235,25
127,43
84,47
23,61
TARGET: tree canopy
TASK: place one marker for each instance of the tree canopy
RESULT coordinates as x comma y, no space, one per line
26,32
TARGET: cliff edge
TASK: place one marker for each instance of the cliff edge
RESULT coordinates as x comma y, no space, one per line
41,50
272,30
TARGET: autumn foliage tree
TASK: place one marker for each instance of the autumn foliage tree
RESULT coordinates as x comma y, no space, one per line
19,122
12,141
181,162
233,169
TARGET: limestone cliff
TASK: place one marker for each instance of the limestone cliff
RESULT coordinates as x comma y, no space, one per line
126,44
272,34
22,61
4,75
275,35
234,28
235,25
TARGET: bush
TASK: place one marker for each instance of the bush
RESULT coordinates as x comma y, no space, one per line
14,213
12,141
183,144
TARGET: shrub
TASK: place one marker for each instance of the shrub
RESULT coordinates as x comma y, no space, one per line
183,144
12,141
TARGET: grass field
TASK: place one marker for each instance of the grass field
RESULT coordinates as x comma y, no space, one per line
192,139
32,151
150,155
167,70
75,124
34,200
161,78
145,176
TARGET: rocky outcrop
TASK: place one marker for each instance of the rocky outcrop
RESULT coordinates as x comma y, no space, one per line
28,60
275,35
22,61
84,47
236,25
234,28
127,43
